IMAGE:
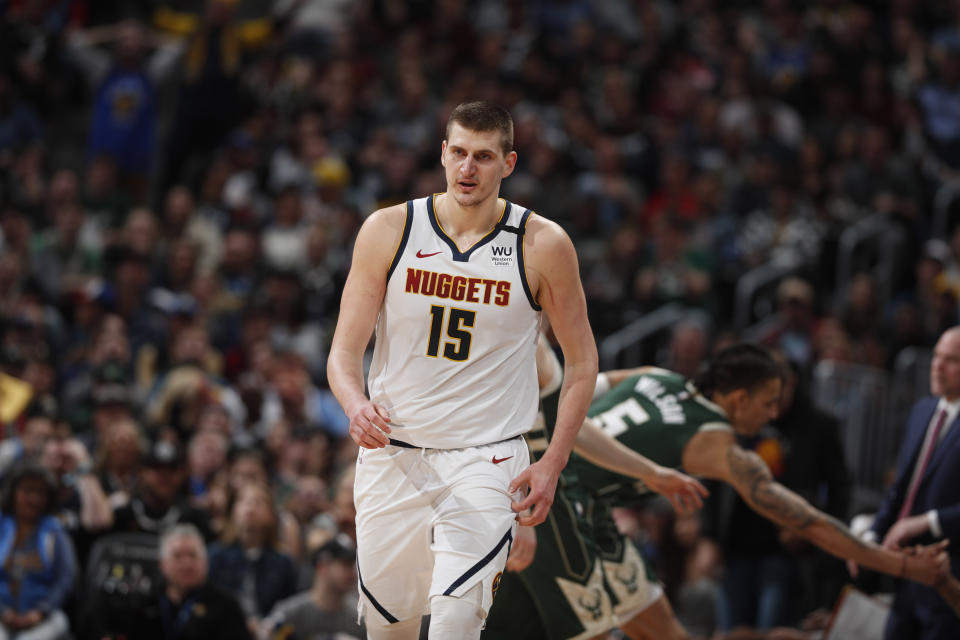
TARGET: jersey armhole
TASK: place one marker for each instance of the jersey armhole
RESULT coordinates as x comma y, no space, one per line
407,223
522,229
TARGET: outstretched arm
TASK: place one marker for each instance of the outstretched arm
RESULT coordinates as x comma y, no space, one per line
750,476
684,492
594,444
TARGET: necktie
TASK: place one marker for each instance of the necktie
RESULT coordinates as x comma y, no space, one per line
922,465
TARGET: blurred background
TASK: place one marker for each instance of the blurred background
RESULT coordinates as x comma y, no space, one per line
181,181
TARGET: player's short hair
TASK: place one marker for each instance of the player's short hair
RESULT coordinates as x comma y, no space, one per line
484,116
740,366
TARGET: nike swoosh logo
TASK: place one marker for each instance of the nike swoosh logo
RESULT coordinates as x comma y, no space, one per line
421,254
497,460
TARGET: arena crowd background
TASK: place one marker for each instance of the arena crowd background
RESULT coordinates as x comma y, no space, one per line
180,183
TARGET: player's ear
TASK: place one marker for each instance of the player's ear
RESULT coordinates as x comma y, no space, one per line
510,163
443,153
739,399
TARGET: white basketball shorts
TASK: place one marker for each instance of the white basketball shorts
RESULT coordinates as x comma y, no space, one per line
433,522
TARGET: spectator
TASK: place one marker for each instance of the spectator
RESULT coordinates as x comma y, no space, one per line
29,445
284,239
294,397
36,559
922,504
248,564
796,322
211,99
937,99
118,460
124,119
182,391
188,607
249,466
329,606
158,501
19,124
206,457
82,506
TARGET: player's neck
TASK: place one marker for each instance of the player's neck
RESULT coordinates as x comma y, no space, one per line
465,221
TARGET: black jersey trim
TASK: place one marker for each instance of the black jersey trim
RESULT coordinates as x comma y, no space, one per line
376,605
407,224
456,254
508,538
522,229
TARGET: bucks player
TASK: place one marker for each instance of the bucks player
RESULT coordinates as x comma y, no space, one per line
586,578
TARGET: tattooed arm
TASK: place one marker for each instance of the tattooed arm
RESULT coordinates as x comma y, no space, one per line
717,455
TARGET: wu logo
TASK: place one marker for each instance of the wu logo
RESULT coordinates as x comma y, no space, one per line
502,251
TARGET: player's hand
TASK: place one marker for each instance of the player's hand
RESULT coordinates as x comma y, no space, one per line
541,480
905,530
523,550
369,426
926,564
686,494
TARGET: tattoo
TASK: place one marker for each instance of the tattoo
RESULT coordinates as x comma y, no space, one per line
773,500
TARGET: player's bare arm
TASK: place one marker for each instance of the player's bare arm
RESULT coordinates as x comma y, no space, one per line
716,455
363,293
594,444
616,376
685,493
553,273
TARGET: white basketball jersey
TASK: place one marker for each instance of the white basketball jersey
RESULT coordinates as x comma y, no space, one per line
455,356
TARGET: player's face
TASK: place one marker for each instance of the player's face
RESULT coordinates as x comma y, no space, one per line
758,407
475,164
945,368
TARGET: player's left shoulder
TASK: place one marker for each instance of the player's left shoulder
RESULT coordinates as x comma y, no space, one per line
544,239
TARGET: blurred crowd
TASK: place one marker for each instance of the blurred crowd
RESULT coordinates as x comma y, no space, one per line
181,180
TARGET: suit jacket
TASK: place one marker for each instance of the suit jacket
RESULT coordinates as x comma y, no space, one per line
919,611
939,487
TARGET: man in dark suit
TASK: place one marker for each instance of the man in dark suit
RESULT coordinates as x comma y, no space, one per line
923,505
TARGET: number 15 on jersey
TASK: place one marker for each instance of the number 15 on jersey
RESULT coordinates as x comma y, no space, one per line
454,324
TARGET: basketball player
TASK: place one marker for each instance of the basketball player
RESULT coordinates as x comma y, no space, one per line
454,284
586,578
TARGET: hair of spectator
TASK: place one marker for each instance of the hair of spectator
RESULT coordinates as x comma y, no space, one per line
21,472
484,116
185,530
740,366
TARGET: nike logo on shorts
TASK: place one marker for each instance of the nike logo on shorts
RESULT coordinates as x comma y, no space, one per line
421,254
497,460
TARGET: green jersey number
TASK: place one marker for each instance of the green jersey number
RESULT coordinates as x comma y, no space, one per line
457,348
614,420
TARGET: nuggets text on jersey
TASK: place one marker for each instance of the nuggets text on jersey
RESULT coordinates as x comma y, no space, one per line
458,288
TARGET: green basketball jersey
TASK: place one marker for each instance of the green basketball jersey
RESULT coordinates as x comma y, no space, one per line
655,414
